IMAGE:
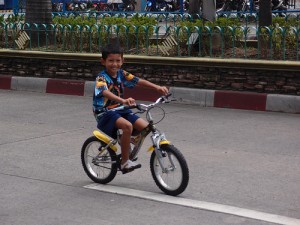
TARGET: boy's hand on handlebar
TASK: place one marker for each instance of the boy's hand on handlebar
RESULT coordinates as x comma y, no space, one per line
129,102
163,90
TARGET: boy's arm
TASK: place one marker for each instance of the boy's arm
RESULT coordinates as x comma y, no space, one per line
161,89
113,97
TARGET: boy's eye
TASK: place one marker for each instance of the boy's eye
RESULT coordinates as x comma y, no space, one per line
115,61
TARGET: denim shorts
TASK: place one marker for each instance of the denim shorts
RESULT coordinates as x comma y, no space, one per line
107,121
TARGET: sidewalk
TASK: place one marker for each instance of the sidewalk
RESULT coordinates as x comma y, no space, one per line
202,97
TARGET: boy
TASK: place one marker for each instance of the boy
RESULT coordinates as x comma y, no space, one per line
108,94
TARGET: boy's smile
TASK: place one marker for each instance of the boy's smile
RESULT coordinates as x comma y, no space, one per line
113,63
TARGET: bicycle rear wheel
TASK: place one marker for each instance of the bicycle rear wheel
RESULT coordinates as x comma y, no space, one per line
173,178
98,163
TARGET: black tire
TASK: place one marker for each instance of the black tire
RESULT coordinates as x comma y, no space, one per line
165,180
147,8
101,169
130,7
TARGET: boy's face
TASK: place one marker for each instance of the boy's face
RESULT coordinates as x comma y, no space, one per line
113,63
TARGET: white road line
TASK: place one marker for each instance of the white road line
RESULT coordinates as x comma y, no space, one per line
247,213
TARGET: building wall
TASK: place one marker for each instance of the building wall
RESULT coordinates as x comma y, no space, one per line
197,73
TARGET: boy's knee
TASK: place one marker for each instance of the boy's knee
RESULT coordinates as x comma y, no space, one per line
127,127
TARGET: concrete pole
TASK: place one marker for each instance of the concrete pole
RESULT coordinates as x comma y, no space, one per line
209,10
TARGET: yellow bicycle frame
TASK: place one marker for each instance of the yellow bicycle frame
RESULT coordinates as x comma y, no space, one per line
107,140
162,142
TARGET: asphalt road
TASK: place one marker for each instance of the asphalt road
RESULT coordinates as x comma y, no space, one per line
245,159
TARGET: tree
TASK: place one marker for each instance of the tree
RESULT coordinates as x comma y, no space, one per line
38,12
265,13
265,19
194,8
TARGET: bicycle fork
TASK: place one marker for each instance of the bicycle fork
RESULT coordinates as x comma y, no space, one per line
159,139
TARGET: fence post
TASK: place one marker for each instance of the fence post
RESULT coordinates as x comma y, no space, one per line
16,6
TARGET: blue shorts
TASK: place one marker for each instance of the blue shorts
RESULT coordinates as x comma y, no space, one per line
107,121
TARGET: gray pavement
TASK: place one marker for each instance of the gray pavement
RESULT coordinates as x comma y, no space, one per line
240,158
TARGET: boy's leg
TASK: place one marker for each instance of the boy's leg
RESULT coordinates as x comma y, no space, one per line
140,124
126,128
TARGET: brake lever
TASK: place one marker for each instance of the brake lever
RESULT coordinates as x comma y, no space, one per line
168,95
139,108
165,99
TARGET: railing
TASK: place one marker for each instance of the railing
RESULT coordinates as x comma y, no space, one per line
62,6
170,19
246,41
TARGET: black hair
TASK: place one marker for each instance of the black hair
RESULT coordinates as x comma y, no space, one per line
112,48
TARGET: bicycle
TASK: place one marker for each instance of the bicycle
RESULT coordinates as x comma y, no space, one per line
101,160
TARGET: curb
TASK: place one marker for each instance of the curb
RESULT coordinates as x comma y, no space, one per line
205,98
252,64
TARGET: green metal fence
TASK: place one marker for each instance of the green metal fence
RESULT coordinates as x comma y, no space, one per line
167,38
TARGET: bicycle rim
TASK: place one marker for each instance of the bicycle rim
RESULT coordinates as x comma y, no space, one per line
98,164
173,180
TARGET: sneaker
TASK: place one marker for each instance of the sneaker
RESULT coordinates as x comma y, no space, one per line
129,166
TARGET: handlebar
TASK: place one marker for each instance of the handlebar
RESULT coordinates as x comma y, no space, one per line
145,107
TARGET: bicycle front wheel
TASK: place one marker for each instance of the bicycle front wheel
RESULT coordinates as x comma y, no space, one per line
98,163
172,177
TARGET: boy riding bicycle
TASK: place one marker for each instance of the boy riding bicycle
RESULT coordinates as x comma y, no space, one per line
108,94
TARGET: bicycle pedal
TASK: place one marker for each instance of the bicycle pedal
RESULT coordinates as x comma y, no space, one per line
124,171
138,166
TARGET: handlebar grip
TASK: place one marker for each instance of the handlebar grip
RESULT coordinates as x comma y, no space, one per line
123,107
168,95
139,107
130,107
165,97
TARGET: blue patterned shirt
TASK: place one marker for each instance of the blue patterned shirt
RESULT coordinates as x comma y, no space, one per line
114,85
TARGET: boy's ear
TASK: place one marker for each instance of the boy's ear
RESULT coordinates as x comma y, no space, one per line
102,61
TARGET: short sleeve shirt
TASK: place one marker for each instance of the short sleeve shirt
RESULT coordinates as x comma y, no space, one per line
114,85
